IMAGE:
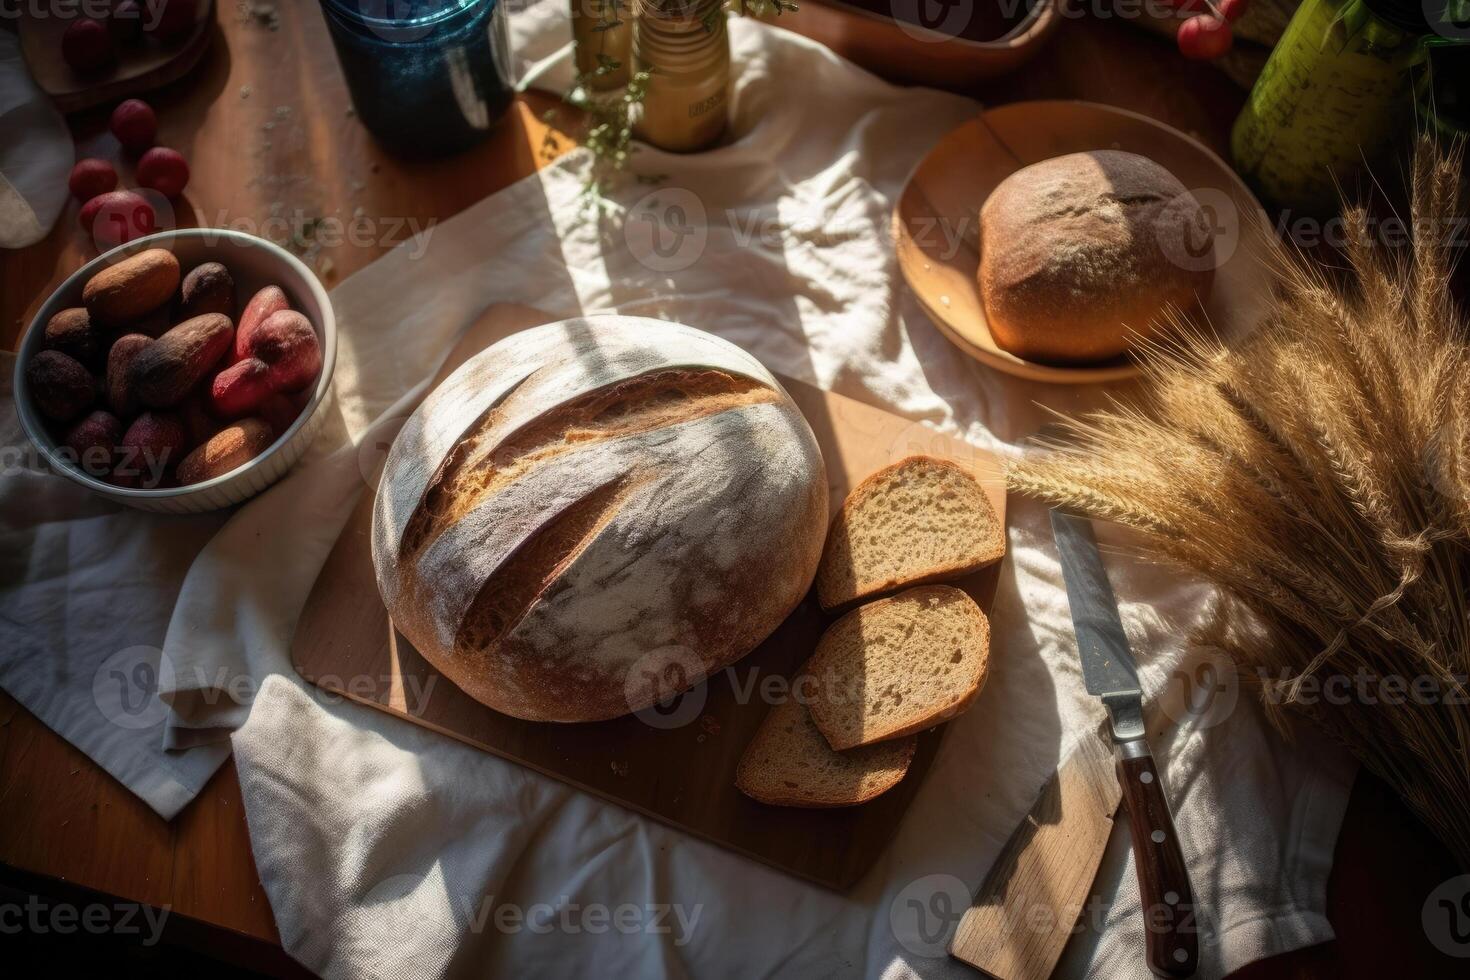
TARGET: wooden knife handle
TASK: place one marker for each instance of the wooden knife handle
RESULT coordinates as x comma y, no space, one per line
1163,880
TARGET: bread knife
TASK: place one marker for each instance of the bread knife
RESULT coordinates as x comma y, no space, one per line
1108,670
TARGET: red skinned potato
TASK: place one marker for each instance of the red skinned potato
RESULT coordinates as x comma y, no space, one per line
241,389
232,446
287,343
121,397
263,304
165,371
94,442
155,442
61,386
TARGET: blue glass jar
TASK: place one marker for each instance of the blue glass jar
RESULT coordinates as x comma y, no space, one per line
427,77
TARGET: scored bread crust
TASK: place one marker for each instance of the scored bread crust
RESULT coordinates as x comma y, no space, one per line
592,514
839,584
1083,252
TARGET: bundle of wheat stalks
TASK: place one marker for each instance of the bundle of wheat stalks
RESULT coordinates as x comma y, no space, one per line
1319,472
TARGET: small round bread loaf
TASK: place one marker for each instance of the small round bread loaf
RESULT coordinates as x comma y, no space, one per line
591,515
1079,252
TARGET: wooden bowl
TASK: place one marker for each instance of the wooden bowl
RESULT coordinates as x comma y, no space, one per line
937,221
140,68
902,51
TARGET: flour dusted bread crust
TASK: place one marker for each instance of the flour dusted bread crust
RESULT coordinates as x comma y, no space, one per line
1080,253
593,513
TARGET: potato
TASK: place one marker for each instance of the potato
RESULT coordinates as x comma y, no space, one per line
73,333
232,446
208,288
121,397
132,288
164,371
60,386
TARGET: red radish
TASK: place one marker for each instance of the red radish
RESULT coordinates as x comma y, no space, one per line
91,177
263,304
117,217
135,125
87,46
1204,37
174,18
125,23
241,388
164,170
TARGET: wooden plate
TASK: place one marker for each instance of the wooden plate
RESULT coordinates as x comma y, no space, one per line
141,67
936,221
678,766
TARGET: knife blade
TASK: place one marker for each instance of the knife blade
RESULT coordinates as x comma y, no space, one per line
1109,673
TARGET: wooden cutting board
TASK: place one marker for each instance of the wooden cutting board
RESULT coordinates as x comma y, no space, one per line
1026,909
680,767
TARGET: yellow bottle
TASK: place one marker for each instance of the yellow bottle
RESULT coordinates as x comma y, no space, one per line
1336,91
685,47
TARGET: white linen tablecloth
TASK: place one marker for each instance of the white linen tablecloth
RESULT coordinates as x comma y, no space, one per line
36,152
388,851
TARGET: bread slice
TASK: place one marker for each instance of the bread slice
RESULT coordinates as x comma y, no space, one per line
789,763
898,666
922,519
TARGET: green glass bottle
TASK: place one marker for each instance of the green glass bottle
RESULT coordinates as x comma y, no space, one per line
1336,93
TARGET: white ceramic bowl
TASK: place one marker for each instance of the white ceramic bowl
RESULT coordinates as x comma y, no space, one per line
253,263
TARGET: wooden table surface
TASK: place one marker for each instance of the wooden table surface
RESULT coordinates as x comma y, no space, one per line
267,126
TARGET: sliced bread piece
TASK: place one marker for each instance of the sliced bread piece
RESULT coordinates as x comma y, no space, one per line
923,519
789,763
898,666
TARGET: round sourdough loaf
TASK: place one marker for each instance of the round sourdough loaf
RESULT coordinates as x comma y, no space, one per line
591,515
1081,253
